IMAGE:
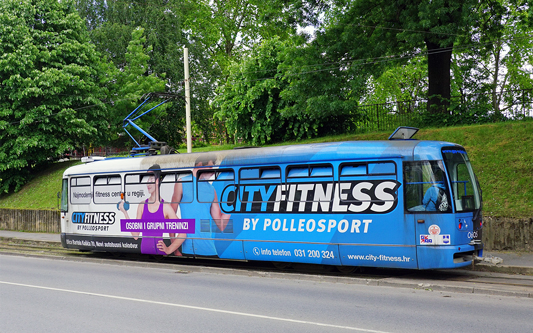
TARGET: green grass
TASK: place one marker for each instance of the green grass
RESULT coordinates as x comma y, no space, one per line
502,157
41,192
501,154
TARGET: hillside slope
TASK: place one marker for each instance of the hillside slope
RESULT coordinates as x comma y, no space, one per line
502,156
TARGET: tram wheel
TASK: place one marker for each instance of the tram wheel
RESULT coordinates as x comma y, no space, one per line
117,254
157,258
281,265
347,269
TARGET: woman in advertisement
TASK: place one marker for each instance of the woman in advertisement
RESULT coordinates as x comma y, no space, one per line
154,209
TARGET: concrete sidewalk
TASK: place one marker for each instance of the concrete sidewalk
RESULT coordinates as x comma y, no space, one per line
493,261
34,236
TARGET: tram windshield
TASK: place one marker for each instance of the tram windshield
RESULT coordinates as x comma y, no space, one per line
64,196
465,187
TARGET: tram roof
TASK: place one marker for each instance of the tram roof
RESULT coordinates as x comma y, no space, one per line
407,150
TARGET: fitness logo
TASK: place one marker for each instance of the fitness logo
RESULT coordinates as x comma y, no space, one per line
364,197
93,218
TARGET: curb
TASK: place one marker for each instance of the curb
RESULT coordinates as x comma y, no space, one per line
523,270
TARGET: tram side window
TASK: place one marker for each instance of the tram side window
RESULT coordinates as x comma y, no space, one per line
107,189
309,187
80,190
425,187
359,181
210,180
310,171
382,168
369,169
211,183
174,183
138,188
257,187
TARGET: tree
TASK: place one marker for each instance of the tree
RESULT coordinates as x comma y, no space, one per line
216,33
254,107
249,101
321,87
127,85
111,24
388,33
49,94
230,29
496,71
396,84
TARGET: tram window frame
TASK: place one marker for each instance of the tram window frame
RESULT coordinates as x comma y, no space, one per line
368,175
367,168
179,178
74,183
219,177
261,175
142,180
110,180
307,174
414,191
307,171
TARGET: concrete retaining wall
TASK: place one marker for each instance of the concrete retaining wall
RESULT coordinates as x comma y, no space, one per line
30,220
499,234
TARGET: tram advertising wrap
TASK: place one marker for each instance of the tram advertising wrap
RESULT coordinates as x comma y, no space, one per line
320,210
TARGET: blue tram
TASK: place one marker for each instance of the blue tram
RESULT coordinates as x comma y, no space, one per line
399,203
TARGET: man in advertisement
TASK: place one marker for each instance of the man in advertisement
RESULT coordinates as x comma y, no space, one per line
204,208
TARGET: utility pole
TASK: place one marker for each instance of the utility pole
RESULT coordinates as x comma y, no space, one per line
187,99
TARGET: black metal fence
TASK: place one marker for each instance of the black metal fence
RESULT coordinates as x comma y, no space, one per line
473,108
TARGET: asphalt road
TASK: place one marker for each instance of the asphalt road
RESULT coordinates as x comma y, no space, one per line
44,295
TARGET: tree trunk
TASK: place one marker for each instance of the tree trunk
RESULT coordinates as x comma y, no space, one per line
495,76
439,92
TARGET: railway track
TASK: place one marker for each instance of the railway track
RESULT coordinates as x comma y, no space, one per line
427,279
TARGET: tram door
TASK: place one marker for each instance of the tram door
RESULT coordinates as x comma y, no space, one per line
428,207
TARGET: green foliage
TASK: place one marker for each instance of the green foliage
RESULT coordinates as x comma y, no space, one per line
215,32
257,108
250,100
126,86
49,94
399,83
227,31
111,24
322,94
498,66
